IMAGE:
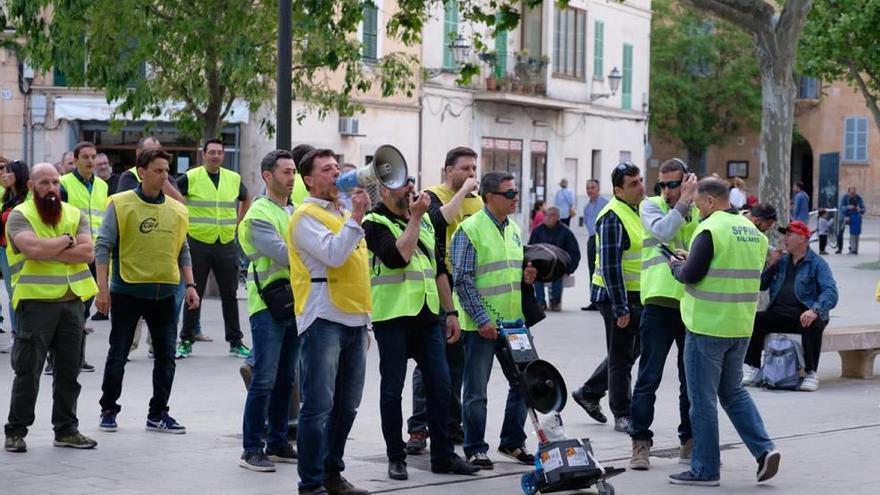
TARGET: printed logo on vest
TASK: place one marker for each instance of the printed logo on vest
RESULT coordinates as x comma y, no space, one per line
148,225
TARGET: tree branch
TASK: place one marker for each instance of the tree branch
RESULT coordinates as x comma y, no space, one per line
863,87
791,23
227,107
754,16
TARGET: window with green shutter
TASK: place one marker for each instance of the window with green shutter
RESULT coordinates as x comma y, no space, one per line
370,33
501,54
599,49
627,83
450,31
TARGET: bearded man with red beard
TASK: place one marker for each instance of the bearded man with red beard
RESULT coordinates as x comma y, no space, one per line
52,244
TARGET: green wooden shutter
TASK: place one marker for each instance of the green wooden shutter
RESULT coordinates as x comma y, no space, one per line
626,86
501,54
450,31
370,32
599,49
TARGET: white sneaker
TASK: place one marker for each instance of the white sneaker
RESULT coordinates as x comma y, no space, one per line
810,383
750,374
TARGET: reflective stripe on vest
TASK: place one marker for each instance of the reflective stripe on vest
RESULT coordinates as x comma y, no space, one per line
212,212
49,280
472,204
398,292
631,260
150,239
348,285
92,203
498,270
656,277
266,211
723,303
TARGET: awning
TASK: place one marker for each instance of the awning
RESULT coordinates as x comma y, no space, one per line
97,108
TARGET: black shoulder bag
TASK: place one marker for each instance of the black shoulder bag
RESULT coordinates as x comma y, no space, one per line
278,296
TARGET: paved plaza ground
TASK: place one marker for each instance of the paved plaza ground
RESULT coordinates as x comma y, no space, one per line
829,439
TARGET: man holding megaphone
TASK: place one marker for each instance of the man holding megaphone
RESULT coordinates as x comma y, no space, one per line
331,286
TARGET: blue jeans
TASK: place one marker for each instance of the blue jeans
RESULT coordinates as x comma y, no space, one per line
333,363
478,356
555,292
714,369
426,343
660,327
7,280
275,348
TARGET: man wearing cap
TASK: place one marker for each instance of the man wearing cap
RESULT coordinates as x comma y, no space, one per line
802,292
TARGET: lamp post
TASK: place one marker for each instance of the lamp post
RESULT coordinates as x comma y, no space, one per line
614,79
284,98
461,51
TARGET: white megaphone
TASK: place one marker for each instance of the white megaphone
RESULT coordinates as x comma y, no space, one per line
388,169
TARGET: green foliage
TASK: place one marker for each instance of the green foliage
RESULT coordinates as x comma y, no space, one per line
705,84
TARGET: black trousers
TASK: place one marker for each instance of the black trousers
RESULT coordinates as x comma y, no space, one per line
823,241
222,259
159,315
614,373
41,326
591,259
419,419
767,322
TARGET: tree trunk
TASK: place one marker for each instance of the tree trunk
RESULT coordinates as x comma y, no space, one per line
777,123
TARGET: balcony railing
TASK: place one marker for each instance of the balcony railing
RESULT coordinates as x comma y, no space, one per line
517,73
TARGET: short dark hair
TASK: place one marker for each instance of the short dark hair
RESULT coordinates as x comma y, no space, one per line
212,141
454,154
270,161
144,159
299,151
491,181
763,210
593,181
673,165
710,186
81,146
308,161
623,169
142,141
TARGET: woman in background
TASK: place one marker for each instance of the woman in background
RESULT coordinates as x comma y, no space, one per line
537,216
15,176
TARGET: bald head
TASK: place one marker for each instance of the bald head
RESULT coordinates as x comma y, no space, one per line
43,168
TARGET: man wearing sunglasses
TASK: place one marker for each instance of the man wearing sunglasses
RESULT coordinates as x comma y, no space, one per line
669,218
487,256
615,292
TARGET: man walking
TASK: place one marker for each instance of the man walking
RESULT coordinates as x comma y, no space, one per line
216,200
553,231
145,235
274,337
850,209
722,278
594,205
800,203
53,243
616,286
668,219
487,257
329,274
565,201
406,302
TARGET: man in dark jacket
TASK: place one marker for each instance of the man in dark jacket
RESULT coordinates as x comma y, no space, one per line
554,232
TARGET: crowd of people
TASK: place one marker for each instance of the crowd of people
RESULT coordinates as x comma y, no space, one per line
431,274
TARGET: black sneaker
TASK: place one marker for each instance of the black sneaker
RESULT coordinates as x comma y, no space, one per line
417,443
75,441
518,454
100,317
87,368
256,461
768,465
108,421
14,443
591,406
482,461
690,479
397,470
454,465
337,485
165,424
281,453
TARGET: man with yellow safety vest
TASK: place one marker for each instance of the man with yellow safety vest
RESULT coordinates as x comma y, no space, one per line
669,219
452,201
404,266
144,237
487,259
722,278
615,291
329,274
82,189
217,200
50,246
275,342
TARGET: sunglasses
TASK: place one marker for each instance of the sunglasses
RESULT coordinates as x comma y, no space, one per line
672,184
509,194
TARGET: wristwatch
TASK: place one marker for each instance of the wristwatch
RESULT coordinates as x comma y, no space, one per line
452,313
191,285
69,241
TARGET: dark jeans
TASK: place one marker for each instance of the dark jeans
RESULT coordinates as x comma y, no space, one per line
222,259
275,355
659,329
767,322
591,262
841,228
479,355
823,241
555,292
333,362
426,344
614,374
41,326
455,362
159,316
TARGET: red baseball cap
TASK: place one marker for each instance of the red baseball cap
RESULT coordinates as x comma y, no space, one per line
797,227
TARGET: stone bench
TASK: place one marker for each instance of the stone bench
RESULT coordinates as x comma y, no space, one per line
857,345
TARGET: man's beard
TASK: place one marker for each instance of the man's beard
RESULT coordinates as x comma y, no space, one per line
49,208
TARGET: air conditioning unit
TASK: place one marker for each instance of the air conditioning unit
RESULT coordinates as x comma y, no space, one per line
348,126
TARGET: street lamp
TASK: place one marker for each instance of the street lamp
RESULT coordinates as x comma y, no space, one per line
461,51
614,79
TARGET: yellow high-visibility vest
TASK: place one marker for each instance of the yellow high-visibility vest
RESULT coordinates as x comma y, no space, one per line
212,209
632,257
91,203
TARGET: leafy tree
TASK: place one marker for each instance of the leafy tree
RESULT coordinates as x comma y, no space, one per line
841,42
775,27
705,84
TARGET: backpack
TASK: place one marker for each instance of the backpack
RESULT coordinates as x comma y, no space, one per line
783,361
